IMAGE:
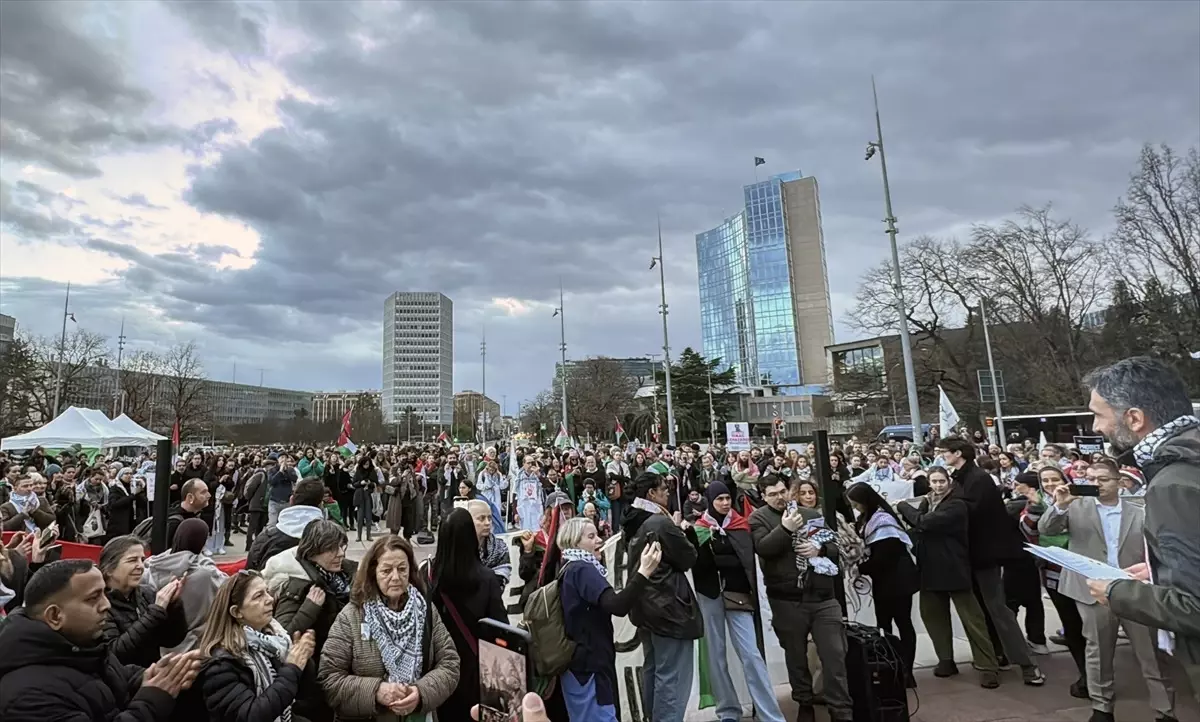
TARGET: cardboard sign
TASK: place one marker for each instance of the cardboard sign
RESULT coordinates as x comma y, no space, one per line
737,436
1090,444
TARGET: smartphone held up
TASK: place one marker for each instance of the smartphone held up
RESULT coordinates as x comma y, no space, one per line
504,671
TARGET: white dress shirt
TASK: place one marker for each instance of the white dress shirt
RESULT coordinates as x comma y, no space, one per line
1110,521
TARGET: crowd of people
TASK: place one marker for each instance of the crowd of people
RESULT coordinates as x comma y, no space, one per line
707,544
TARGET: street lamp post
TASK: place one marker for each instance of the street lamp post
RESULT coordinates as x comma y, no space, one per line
712,416
987,341
662,280
62,351
562,346
910,375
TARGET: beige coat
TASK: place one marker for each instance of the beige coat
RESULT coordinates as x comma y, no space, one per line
1082,521
352,669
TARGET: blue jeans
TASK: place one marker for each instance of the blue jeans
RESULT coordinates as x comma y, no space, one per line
273,509
581,702
666,676
216,537
754,668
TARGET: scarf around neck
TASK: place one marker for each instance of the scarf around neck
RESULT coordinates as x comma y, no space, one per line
882,526
647,505
336,582
26,505
733,521
399,635
579,555
263,652
1143,453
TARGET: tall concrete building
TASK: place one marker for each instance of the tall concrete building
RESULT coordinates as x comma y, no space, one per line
333,405
418,356
764,287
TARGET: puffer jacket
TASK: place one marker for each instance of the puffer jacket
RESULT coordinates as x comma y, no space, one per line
227,686
284,535
136,627
1172,602
43,676
351,668
667,606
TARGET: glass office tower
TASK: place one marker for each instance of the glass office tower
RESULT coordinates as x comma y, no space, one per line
764,292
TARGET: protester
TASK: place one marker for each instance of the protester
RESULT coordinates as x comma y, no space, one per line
201,577
24,511
388,654
56,665
1142,408
666,614
726,591
306,505
195,498
311,581
281,484
140,621
254,493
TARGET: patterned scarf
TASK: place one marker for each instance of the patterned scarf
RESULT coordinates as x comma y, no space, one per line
398,635
1144,451
262,652
494,555
336,582
881,526
813,532
26,505
579,555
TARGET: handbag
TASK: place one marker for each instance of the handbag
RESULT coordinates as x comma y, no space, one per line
93,526
738,601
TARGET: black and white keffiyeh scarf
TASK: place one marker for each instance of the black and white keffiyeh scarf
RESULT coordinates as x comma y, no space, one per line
398,635
263,651
494,555
336,582
579,555
813,532
1143,453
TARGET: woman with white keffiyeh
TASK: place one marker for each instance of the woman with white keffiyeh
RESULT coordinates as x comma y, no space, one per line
388,656
252,670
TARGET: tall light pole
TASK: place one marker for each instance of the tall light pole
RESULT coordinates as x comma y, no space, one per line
910,374
987,341
483,367
712,416
562,346
62,351
662,280
119,397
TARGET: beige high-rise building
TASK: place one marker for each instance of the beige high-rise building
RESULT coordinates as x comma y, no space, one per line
764,287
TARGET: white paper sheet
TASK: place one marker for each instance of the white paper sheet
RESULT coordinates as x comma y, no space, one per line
1087,567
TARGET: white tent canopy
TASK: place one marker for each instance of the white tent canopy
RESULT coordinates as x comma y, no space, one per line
87,427
132,427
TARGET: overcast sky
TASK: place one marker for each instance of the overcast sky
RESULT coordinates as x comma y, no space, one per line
260,177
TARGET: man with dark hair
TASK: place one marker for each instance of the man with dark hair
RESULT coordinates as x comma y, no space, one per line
281,483
666,614
56,666
195,498
307,504
994,539
803,597
1142,408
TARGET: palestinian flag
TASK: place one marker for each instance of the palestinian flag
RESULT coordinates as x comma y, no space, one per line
562,440
620,431
443,438
659,468
345,445
706,526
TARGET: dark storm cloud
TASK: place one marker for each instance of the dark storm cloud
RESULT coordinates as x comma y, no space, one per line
487,149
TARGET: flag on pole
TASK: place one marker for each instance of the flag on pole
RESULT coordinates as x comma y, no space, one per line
443,438
345,445
947,416
758,160
562,440
175,434
620,430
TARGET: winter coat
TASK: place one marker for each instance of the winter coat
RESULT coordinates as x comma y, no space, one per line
668,606
226,685
44,677
200,586
22,570
136,627
351,668
365,479
773,544
284,535
281,483
1173,551
891,569
12,520
480,599
253,492
176,514
941,540
314,469
289,580
995,538
121,502
403,492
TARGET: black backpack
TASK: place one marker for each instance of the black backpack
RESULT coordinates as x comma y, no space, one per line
145,528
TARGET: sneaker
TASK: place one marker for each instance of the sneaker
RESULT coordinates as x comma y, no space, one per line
1033,676
1101,716
945,668
1165,718
989,680
1058,639
1003,663
1038,648
1078,689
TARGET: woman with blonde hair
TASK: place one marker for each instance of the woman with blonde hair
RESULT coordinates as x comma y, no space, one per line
388,655
252,670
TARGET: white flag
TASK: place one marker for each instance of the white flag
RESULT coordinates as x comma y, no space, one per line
947,416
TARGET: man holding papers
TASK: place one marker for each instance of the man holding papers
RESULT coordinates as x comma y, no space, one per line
1106,529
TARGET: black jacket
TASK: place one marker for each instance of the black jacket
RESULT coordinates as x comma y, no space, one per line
121,510
941,542
781,579
726,562
891,569
297,614
175,516
22,570
253,491
136,627
668,606
995,538
268,544
45,677
481,598
227,687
